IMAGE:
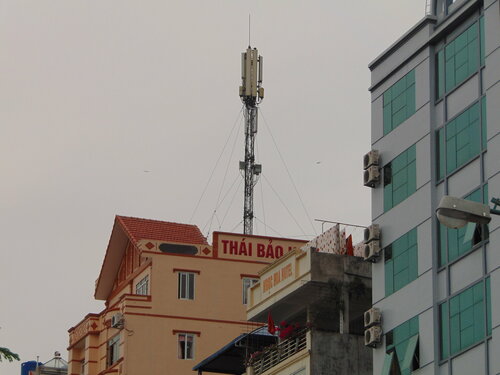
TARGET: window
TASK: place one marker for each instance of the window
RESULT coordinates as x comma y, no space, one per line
400,178
186,285
455,242
113,350
401,264
465,318
460,58
186,345
461,139
399,102
247,283
404,341
142,286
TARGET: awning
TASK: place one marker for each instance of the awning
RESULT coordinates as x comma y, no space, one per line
230,359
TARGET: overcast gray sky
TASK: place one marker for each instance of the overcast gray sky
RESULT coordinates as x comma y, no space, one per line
123,107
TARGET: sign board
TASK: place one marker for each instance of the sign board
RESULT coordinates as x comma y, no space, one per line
278,277
252,248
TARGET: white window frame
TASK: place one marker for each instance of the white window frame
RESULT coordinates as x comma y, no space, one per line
247,283
186,291
183,352
113,350
142,287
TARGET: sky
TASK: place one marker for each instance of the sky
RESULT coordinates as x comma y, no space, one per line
131,108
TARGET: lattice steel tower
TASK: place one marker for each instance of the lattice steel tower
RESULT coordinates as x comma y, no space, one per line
251,94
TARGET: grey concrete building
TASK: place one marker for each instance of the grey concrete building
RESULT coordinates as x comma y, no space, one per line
435,99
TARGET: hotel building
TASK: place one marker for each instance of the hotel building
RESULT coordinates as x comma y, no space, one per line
435,99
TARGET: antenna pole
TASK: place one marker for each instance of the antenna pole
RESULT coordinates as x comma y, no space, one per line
249,24
251,94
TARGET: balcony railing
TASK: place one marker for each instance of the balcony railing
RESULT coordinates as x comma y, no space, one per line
273,355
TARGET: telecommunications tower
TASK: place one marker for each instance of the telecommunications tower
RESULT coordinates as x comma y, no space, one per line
251,94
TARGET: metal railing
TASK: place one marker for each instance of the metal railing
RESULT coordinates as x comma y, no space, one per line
273,355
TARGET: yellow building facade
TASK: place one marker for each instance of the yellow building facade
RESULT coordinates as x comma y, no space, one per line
171,298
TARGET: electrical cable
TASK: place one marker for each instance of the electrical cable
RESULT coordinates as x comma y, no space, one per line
287,170
267,226
216,164
283,203
231,203
236,226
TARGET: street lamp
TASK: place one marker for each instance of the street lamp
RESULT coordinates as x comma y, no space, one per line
456,213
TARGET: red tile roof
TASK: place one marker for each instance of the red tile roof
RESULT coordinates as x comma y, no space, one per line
138,229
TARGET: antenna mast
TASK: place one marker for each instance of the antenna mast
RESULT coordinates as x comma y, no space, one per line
251,94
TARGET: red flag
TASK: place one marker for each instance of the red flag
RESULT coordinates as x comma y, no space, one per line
350,248
271,328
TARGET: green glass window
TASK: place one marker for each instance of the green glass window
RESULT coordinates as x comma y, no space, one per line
460,58
440,74
461,139
401,263
463,319
400,178
454,242
484,135
482,40
400,340
488,306
399,102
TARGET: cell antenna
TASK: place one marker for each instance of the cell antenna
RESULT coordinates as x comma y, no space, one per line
251,94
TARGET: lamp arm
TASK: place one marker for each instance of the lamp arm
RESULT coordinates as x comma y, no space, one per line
496,202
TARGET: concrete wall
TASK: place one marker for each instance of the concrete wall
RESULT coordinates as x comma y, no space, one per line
336,354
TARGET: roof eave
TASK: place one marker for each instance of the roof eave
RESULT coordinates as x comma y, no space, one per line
112,260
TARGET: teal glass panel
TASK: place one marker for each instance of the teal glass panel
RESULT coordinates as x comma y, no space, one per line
443,233
406,363
463,141
456,238
462,320
388,197
445,333
441,164
400,178
389,277
399,102
482,41
488,306
402,266
402,340
388,366
461,57
440,74
484,134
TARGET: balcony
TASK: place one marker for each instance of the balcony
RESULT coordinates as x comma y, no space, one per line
89,325
275,354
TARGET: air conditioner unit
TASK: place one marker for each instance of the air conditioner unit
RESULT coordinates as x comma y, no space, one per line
371,177
373,336
371,251
372,233
117,320
372,158
373,317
